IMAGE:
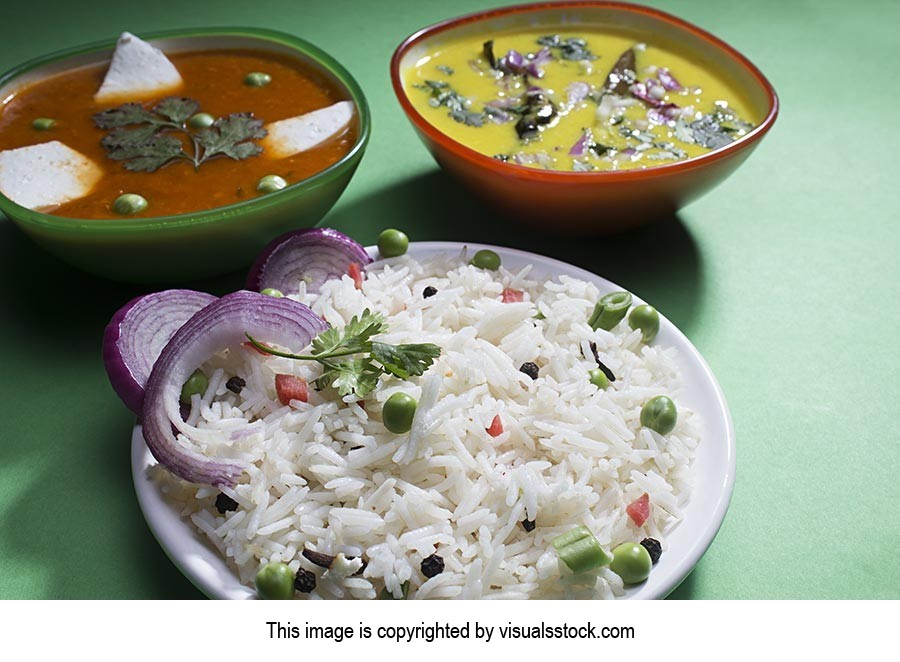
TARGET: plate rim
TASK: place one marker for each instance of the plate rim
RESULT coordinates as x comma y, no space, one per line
171,539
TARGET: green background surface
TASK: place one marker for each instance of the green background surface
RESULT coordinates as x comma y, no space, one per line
785,278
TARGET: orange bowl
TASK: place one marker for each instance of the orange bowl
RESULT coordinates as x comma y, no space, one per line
585,202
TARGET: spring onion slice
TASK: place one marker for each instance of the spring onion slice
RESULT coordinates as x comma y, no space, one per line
136,335
580,550
218,326
313,255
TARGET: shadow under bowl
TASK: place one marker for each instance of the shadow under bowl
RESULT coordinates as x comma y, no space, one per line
166,249
588,202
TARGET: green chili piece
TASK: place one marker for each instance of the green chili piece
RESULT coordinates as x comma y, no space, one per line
197,383
387,595
580,550
610,310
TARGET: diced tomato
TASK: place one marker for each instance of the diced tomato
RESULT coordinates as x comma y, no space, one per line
290,388
512,296
355,272
251,346
496,428
639,509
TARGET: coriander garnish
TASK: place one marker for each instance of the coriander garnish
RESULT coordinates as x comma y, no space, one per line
148,138
572,48
443,95
359,375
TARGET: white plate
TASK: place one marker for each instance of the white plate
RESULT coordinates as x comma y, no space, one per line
713,466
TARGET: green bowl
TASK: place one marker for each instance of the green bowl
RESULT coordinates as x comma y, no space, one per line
199,244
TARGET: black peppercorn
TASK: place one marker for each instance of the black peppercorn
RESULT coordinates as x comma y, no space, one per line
225,503
429,292
653,547
432,566
530,369
235,385
528,525
305,582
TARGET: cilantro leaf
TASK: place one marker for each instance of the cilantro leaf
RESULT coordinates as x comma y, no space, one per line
443,95
230,135
360,371
709,133
142,153
327,341
147,138
572,48
404,361
177,109
359,376
355,337
129,113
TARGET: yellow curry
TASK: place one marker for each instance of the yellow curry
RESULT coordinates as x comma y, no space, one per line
578,101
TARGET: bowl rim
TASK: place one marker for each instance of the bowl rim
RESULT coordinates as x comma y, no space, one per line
570,177
332,67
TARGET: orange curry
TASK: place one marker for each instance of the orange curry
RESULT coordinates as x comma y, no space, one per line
214,79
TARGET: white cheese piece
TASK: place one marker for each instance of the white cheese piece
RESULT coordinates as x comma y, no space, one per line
298,134
46,174
137,71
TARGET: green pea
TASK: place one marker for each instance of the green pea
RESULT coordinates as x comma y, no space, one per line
392,243
646,319
257,79
271,183
486,259
610,310
272,292
598,378
196,383
43,124
398,412
631,562
275,581
129,203
659,414
201,121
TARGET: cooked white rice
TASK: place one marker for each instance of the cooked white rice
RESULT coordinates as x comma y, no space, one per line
328,476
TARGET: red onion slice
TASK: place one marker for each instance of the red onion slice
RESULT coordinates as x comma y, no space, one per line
136,335
642,92
511,63
220,325
582,144
576,92
664,114
668,80
313,255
